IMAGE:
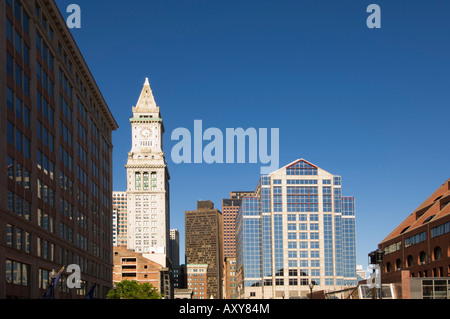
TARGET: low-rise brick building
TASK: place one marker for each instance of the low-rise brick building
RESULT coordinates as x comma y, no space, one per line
129,265
419,248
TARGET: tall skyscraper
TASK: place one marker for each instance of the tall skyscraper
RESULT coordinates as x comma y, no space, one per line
175,247
148,182
203,244
296,229
119,218
56,132
230,207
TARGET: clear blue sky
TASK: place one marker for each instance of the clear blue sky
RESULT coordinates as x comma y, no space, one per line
369,105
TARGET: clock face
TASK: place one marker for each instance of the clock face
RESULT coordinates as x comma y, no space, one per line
146,133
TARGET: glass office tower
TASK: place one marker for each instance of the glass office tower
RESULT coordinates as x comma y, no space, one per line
297,229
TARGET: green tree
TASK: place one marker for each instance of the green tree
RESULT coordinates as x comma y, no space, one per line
131,289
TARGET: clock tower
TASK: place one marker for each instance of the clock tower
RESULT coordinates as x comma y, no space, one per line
148,182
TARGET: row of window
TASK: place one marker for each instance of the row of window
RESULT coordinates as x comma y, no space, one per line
18,173
290,281
303,226
421,259
302,236
144,179
15,104
16,138
16,72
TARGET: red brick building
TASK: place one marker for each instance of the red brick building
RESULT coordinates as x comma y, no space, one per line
129,265
419,248
230,208
197,280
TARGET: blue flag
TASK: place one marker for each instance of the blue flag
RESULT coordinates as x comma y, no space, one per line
49,292
90,294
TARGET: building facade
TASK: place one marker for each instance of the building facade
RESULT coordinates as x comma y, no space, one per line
119,219
56,132
175,247
179,277
129,265
230,278
148,182
203,244
416,252
296,229
197,280
230,208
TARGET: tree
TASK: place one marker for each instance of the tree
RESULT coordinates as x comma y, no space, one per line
131,289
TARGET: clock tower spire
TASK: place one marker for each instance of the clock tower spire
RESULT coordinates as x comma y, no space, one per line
148,181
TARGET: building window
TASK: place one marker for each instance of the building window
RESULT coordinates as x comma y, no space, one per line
388,267
398,265
409,261
422,258
145,181
10,133
138,181
413,240
17,273
301,168
437,253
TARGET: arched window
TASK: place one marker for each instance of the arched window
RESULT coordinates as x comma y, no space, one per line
388,267
138,181
145,178
437,253
409,261
422,258
398,264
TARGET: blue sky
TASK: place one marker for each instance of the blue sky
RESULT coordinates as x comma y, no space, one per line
371,105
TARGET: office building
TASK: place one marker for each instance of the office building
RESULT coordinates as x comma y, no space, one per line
416,253
148,182
174,247
230,207
179,277
296,229
119,219
197,280
230,278
56,132
203,244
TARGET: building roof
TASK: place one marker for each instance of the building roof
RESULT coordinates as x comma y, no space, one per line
434,207
297,163
146,101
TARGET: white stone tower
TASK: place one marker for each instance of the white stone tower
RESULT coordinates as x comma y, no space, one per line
148,182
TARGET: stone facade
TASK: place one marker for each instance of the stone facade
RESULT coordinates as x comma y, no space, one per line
148,182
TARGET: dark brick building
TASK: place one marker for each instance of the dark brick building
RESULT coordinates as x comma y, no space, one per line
56,162
203,243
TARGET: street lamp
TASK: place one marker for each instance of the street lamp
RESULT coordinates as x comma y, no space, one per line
376,259
311,286
115,290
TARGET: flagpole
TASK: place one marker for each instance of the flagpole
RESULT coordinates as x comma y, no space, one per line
54,276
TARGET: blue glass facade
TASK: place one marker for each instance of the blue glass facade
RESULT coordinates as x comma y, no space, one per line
348,240
305,230
249,241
